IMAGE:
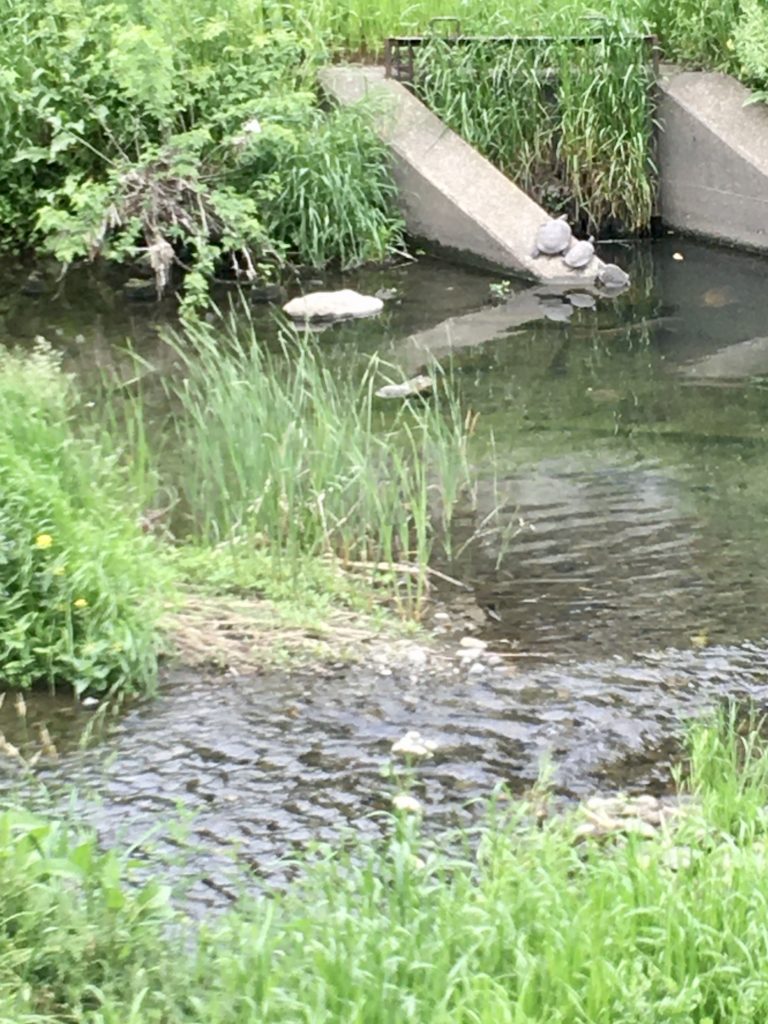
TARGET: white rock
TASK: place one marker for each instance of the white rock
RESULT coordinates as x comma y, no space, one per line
473,641
332,305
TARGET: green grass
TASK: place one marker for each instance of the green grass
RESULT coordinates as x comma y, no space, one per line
272,471
81,588
515,923
124,132
293,453
578,142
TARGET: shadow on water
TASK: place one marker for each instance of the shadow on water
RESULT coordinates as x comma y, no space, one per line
629,455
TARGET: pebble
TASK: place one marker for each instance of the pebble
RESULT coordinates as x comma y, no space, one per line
477,668
473,642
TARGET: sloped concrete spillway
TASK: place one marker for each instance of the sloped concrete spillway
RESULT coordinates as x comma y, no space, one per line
713,158
712,165
450,195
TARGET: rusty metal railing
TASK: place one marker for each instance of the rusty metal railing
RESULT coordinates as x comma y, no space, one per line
400,51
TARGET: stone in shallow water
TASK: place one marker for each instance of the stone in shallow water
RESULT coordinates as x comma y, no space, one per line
419,385
332,305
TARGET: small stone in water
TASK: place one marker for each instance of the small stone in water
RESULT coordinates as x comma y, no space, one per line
419,385
678,256
473,641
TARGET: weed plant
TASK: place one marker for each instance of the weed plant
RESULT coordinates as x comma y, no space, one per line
289,451
578,141
81,588
516,922
180,137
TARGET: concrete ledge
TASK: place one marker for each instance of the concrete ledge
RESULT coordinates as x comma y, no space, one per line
713,159
450,196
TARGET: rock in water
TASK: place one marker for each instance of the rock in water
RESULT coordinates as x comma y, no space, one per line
339,305
415,386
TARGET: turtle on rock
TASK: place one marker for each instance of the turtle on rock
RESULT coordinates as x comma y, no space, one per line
611,276
553,238
580,254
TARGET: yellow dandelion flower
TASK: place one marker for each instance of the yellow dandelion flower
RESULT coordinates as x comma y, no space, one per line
80,602
43,541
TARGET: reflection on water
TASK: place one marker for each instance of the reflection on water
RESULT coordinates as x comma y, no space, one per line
630,449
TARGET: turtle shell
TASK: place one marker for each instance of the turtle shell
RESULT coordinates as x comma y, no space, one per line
579,255
553,237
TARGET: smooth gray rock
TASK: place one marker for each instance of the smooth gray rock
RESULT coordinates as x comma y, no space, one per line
340,305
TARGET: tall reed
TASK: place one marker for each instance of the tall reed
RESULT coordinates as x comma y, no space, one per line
292,451
571,124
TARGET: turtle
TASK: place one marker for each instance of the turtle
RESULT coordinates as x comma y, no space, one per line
611,276
579,254
552,238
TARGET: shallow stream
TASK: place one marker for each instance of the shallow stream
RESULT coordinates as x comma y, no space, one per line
630,445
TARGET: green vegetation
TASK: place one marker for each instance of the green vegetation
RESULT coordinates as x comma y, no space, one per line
197,140
516,922
578,142
81,588
288,451
191,137
276,468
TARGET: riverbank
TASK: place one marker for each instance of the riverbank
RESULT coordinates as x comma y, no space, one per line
530,914
272,490
247,172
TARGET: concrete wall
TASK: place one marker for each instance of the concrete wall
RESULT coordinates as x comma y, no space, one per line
451,196
713,159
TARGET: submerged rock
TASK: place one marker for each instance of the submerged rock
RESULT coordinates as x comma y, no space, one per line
266,291
419,385
34,285
338,305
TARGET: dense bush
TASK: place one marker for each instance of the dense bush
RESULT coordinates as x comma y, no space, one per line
81,588
135,128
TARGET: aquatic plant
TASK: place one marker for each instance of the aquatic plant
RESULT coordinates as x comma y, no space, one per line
292,452
81,588
577,141
518,920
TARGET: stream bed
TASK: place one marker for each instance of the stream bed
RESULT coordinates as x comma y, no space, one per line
628,589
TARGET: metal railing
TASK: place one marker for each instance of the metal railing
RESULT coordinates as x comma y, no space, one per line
400,51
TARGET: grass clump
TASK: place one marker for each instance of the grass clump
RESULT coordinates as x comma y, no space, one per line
293,453
577,141
516,922
81,587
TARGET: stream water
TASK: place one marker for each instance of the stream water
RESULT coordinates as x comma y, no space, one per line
632,482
